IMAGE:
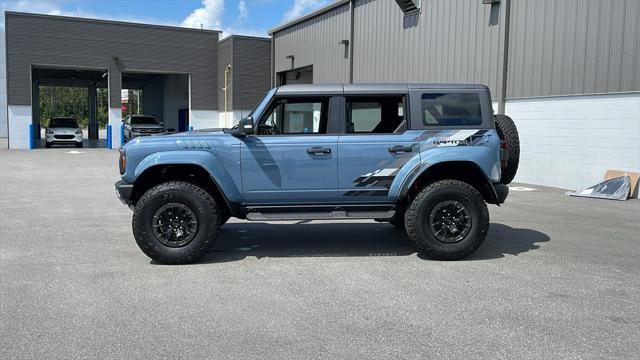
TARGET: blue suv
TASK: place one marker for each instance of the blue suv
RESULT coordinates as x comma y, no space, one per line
426,158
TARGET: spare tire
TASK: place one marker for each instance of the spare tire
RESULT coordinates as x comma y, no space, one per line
508,133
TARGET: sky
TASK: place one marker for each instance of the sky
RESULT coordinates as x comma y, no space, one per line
237,17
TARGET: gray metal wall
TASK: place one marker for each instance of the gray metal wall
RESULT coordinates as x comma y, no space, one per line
451,41
250,77
251,71
3,90
72,42
315,42
573,47
556,47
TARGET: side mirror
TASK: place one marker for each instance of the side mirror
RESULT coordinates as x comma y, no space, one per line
246,126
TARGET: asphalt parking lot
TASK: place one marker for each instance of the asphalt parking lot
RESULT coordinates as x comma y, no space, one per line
558,277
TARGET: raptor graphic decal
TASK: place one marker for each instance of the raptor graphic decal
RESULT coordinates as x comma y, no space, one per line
426,140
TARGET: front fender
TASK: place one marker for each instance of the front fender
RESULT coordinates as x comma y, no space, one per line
204,159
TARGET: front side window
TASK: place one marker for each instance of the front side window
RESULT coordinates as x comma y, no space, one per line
383,115
454,109
295,116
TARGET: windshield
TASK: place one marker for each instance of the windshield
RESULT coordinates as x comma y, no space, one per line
265,101
63,123
139,120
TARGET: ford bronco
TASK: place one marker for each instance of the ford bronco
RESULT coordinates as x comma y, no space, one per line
426,158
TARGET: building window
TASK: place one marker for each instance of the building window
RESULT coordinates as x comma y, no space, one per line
410,7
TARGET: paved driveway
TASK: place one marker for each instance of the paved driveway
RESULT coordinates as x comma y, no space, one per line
558,277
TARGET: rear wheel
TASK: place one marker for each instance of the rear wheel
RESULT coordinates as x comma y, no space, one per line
176,222
508,133
448,220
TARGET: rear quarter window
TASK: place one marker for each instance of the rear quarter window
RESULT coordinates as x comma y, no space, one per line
451,109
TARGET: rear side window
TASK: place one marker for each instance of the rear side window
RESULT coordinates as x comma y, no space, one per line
454,109
381,115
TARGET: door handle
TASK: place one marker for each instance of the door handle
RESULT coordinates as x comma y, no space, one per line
316,150
400,149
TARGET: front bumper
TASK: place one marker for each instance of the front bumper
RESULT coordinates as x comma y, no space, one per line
63,138
124,190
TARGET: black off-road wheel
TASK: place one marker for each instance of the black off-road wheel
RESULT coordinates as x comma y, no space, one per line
508,133
447,220
176,222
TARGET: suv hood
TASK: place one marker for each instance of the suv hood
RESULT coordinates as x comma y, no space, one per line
147,126
58,130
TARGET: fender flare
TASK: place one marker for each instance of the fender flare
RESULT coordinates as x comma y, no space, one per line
417,171
204,159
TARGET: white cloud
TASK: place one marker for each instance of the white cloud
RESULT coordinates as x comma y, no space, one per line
209,16
301,7
243,12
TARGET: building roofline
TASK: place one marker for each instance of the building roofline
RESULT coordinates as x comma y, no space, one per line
113,22
313,14
249,37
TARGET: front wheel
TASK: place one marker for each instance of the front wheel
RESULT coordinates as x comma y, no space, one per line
448,220
176,222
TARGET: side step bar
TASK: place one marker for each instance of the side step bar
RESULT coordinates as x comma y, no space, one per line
322,212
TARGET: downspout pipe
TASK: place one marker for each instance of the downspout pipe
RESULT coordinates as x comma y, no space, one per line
351,10
505,57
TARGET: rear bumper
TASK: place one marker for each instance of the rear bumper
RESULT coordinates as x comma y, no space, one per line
124,190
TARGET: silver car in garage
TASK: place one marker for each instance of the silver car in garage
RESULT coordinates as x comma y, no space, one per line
63,131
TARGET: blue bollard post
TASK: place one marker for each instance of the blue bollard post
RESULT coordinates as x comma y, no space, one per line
109,137
31,137
121,134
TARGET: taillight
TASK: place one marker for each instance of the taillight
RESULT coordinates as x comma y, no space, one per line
123,161
504,154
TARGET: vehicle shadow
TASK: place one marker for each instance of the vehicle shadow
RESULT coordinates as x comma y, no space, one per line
308,239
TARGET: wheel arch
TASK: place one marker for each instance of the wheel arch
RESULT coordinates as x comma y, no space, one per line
466,171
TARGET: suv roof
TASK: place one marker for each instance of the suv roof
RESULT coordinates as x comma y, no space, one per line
369,88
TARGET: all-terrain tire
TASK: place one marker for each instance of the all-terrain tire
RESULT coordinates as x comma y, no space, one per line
508,132
78,145
47,144
199,201
417,220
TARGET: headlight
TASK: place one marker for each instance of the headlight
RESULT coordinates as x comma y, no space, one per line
79,132
123,161
49,131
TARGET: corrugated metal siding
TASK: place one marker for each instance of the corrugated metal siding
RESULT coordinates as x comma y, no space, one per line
316,42
251,71
225,57
573,47
451,42
45,40
3,89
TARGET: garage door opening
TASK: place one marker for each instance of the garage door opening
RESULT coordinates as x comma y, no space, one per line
78,98
161,99
297,76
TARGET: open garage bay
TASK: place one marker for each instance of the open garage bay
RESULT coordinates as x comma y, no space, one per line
558,277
